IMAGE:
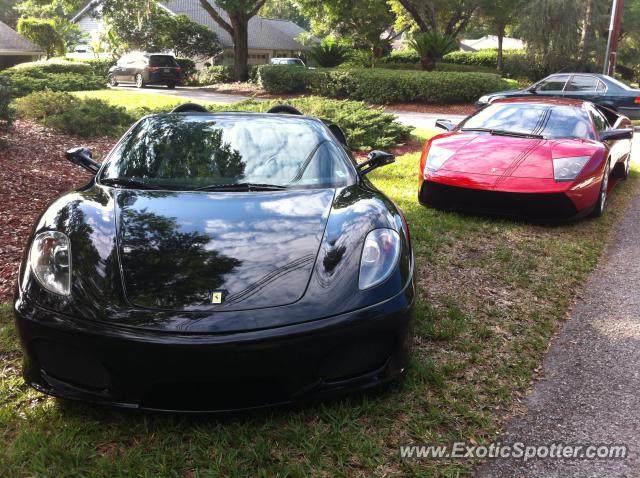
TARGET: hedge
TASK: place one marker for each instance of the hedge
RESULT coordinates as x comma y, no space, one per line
516,63
366,127
383,86
56,75
6,110
213,75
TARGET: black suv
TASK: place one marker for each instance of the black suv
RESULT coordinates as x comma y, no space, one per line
146,69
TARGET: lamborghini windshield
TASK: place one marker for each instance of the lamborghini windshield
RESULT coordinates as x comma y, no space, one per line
531,120
227,152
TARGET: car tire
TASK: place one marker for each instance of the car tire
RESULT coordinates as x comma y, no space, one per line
171,86
598,210
112,80
139,81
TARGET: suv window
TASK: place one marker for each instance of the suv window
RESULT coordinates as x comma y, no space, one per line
163,60
553,83
583,83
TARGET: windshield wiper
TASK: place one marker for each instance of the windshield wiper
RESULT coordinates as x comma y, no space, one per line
503,132
242,187
134,183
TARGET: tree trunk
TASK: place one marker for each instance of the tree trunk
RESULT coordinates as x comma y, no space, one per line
587,34
500,53
428,63
241,47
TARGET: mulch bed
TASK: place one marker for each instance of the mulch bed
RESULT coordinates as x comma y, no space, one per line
464,109
33,172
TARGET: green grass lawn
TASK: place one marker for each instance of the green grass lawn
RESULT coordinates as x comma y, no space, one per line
493,292
132,99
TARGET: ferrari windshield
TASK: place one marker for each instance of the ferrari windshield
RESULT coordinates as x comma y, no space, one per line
538,120
227,151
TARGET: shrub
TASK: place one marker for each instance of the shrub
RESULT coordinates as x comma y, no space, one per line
329,52
72,115
431,47
404,56
100,66
92,117
366,127
212,75
516,63
279,79
53,66
188,67
53,75
383,86
42,104
6,111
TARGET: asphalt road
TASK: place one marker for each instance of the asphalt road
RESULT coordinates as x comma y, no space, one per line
591,375
417,120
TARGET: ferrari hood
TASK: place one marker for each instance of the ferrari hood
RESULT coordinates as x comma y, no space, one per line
189,251
505,156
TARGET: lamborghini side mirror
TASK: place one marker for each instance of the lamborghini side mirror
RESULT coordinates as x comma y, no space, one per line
445,124
83,157
616,134
375,159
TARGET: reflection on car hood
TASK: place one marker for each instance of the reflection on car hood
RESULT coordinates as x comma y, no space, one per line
255,249
505,156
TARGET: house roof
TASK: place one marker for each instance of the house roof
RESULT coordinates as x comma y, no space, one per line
12,43
264,33
491,41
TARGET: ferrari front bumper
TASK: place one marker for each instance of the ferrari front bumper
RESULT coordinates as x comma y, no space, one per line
79,359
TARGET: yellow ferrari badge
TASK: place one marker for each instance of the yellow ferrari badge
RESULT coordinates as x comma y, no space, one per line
216,297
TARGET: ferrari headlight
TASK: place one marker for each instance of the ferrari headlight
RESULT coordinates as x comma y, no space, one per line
50,261
567,169
437,157
379,257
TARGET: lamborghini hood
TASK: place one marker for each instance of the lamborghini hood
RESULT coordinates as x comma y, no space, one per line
505,156
189,251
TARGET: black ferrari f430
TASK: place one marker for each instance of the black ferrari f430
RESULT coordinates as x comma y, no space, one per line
218,261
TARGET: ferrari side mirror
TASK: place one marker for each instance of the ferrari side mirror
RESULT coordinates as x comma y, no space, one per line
375,159
445,124
83,157
616,134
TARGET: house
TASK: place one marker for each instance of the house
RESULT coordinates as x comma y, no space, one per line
490,42
268,38
14,48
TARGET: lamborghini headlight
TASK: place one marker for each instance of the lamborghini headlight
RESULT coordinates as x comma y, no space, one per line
50,261
437,156
567,169
379,258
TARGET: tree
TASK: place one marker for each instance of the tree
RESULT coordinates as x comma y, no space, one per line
286,10
432,46
145,26
500,14
330,52
42,33
191,39
239,12
362,21
449,17
8,14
